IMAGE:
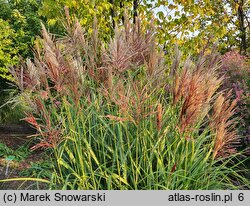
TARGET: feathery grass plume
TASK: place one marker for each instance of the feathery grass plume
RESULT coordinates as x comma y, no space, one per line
27,75
223,125
67,15
142,103
159,116
132,99
194,86
32,121
120,119
130,48
176,61
154,62
193,104
53,59
118,55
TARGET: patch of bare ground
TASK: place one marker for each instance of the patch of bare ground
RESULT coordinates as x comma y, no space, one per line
13,169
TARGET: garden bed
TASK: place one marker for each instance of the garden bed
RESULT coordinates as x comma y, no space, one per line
15,141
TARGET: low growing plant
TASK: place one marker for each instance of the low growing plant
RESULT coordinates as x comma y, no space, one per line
17,155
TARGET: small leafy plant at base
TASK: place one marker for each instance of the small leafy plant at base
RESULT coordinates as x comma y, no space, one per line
42,169
19,154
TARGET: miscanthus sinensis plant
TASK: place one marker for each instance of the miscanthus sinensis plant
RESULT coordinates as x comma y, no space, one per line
113,116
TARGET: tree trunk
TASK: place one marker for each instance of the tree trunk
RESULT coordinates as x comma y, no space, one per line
243,44
135,14
112,13
121,6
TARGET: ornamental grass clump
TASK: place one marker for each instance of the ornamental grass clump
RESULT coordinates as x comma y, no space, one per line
112,117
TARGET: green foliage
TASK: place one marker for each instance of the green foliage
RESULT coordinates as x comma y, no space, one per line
17,155
8,51
85,11
42,169
19,25
107,13
23,18
197,25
